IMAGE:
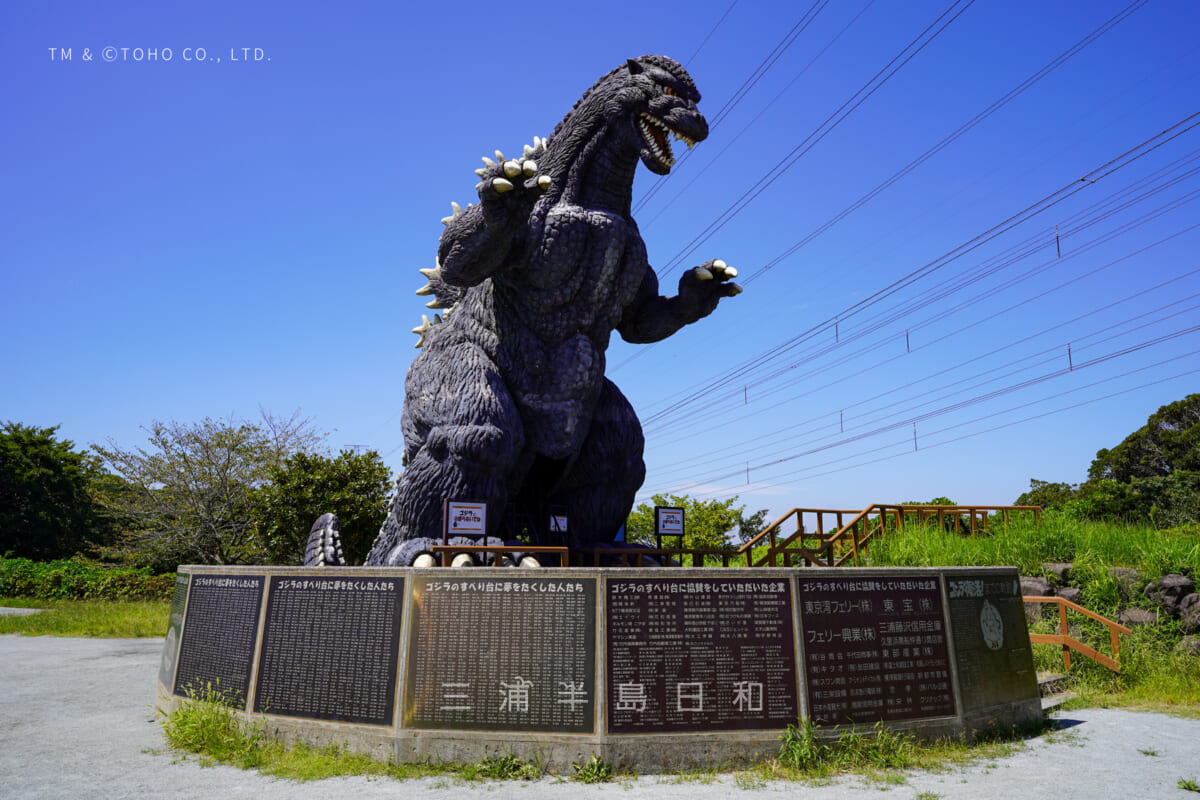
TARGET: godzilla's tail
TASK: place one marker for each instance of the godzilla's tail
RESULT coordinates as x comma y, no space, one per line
325,543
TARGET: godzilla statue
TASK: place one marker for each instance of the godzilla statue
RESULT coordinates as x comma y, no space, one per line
507,402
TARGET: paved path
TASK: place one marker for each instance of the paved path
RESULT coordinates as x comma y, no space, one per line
76,721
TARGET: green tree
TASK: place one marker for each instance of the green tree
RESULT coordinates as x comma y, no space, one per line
47,506
707,523
1169,441
1047,495
306,485
189,496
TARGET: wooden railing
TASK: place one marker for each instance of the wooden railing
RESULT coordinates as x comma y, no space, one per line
838,536
847,539
1069,643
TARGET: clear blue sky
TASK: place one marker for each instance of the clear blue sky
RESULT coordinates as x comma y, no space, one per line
188,238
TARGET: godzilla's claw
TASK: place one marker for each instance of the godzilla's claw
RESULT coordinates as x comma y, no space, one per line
516,177
721,270
702,274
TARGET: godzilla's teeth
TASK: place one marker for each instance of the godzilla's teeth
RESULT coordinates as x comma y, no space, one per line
487,162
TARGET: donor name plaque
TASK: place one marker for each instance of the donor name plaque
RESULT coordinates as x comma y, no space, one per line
700,654
498,654
330,647
991,642
874,648
219,632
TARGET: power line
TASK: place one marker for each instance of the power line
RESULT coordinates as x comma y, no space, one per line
698,392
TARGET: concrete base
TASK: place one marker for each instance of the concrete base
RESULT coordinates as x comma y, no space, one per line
649,669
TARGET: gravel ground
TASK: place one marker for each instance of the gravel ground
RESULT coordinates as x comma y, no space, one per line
77,720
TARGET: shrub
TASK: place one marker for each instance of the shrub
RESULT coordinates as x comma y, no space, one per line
69,579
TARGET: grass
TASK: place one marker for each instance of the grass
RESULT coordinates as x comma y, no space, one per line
1092,546
102,619
207,727
882,757
1153,675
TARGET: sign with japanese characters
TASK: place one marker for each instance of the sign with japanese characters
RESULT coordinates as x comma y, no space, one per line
512,653
991,642
330,647
668,521
218,636
699,654
875,648
465,518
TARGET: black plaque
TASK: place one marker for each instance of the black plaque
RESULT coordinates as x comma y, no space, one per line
330,648
700,654
170,653
502,654
874,649
218,636
991,642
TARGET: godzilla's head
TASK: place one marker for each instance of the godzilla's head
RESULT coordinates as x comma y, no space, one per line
658,98
631,113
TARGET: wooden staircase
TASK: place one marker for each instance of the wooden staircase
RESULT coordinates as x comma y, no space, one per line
1052,689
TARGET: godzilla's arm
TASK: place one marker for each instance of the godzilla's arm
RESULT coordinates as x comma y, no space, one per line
477,242
652,317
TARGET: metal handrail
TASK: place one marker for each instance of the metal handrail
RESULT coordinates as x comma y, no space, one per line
1069,643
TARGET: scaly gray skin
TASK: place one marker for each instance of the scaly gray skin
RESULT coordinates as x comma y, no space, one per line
507,401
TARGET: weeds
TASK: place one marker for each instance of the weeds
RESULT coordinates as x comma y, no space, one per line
502,768
1188,784
594,770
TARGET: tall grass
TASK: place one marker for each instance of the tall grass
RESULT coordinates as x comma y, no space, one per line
1154,673
1094,547
103,619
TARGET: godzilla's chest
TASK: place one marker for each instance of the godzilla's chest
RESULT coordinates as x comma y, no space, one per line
580,269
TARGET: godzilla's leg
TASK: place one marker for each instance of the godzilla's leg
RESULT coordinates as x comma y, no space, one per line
599,487
472,440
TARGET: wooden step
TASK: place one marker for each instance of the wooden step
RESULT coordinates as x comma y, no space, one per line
1053,691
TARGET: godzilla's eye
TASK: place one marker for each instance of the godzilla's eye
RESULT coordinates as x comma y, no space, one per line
669,90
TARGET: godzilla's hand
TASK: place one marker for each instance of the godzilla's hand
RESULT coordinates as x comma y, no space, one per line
511,187
701,288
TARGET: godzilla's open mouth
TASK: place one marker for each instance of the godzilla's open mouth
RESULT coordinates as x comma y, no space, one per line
657,136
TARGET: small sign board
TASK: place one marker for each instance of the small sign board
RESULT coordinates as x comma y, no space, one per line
668,521
465,518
